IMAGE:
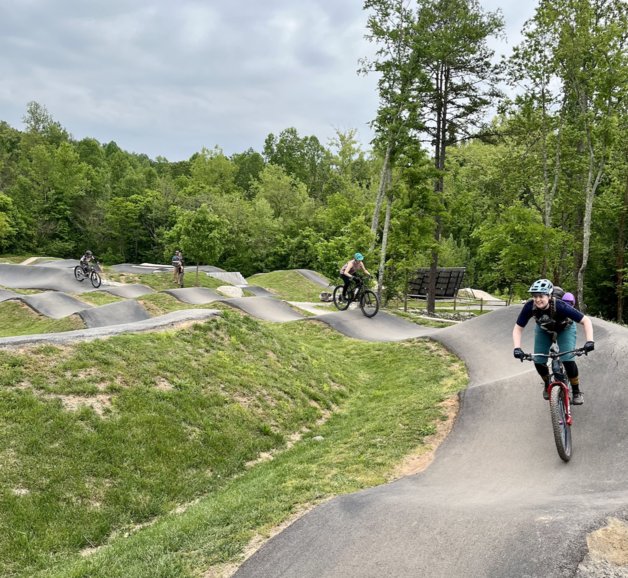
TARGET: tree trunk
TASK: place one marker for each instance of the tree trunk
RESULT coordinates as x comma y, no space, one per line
382,258
384,183
590,189
620,260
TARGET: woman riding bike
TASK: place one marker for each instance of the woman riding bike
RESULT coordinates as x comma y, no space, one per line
552,316
349,269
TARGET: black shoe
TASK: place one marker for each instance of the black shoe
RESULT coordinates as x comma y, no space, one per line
545,392
578,398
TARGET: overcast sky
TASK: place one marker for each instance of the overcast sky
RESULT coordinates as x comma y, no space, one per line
167,78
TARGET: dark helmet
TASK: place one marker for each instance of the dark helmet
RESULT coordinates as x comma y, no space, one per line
543,286
88,254
558,292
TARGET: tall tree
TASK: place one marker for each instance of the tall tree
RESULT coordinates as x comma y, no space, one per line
450,48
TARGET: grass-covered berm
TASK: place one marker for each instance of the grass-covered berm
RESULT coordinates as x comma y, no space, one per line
170,453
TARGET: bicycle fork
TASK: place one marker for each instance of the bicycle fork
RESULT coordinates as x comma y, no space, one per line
565,389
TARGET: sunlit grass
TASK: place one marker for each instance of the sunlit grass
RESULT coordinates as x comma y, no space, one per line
288,285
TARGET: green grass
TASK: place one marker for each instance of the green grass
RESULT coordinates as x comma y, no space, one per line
133,456
288,285
99,298
17,318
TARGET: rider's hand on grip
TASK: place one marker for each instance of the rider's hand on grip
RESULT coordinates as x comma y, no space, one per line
518,353
589,346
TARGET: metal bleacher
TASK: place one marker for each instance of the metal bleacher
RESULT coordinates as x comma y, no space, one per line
448,281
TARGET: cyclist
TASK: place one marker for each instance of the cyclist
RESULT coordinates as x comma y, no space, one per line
349,269
85,260
177,263
552,316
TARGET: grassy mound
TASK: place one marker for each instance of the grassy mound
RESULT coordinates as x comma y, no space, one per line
164,454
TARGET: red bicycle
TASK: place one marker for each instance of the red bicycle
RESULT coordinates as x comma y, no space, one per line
560,397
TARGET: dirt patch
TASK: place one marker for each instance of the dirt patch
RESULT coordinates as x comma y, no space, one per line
423,456
610,543
99,403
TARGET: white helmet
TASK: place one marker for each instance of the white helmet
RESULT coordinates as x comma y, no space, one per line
544,286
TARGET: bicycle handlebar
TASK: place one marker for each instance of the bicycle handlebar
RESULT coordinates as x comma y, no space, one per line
554,355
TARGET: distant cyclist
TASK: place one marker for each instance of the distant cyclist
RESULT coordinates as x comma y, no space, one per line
86,259
349,269
552,316
177,264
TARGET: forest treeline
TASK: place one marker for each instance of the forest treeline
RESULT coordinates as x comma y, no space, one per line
539,190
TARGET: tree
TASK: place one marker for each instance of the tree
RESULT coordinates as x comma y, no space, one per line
579,47
304,159
200,235
456,85
7,216
249,165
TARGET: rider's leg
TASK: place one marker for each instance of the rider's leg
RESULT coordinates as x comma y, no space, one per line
347,280
542,344
567,341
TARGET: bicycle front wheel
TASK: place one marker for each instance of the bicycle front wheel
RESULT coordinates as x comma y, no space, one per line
369,303
562,430
95,279
79,274
339,301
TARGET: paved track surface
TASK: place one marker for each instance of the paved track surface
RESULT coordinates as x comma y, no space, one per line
41,277
314,277
257,291
123,312
497,501
382,327
7,295
194,295
265,308
54,304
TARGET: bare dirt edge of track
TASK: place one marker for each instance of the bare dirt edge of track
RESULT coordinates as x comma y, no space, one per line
413,463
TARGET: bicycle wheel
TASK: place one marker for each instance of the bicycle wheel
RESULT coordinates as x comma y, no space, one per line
79,274
180,280
369,303
562,430
95,279
339,302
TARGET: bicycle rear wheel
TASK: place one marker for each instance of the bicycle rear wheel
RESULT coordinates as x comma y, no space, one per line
79,274
369,303
95,279
562,430
339,301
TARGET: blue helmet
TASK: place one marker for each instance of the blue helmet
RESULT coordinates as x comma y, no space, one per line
544,286
358,257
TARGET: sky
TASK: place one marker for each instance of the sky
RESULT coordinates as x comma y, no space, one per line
167,78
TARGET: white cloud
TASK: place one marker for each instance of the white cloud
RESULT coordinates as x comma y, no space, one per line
166,78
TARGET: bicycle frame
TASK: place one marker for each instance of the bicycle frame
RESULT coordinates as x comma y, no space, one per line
558,375
559,399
